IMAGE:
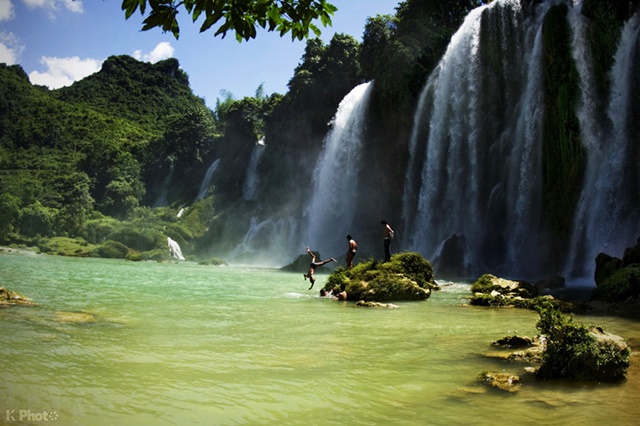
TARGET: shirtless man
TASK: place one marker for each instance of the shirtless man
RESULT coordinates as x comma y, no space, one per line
388,236
313,266
351,251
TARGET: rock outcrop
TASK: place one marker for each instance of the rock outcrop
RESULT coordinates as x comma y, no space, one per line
408,276
11,298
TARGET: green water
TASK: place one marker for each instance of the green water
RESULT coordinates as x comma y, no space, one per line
188,344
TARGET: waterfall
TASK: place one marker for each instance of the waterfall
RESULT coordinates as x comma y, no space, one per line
174,249
605,219
206,181
335,185
249,191
162,199
478,138
268,242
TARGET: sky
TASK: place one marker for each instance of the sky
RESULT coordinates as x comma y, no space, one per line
58,42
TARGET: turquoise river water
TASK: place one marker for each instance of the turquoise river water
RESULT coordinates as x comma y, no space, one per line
183,344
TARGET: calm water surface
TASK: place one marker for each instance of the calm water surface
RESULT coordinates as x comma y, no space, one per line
189,344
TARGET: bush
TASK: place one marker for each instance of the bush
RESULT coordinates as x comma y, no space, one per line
137,238
63,246
573,351
111,250
97,230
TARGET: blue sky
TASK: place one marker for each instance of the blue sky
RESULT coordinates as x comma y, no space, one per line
60,41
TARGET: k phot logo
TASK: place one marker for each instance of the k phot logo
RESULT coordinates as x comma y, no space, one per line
31,416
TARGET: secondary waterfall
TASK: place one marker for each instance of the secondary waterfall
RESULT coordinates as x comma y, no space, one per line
162,198
174,249
605,220
476,141
249,191
206,181
330,211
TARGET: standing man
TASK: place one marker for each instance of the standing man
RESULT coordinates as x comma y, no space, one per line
351,251
388,236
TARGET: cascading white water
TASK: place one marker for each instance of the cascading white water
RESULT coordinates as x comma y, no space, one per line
249,191
330,211
174,249
206,181
605,220
481,164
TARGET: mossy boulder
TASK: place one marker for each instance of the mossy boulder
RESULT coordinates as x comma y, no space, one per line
618,280
490,284
111,250
621,286
408,276
490,290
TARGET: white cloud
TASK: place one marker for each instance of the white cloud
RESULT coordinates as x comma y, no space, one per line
162,51
53,6
7,11
64,71
10,48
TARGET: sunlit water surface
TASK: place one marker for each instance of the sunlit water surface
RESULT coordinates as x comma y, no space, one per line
188,344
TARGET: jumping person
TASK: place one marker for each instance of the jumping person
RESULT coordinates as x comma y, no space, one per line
351,251
312,267
388,236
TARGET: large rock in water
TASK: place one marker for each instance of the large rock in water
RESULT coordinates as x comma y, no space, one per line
618,280
451,263
408,276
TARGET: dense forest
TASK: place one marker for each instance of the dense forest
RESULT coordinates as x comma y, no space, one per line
115,163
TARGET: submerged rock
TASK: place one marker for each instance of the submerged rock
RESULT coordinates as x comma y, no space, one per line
363,304
11,298
504,381
74,317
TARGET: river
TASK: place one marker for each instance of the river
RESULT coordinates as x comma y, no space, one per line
180,343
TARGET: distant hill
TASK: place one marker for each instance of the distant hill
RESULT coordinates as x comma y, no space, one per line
88,145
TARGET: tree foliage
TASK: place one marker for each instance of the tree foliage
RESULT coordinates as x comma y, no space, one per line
240,16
